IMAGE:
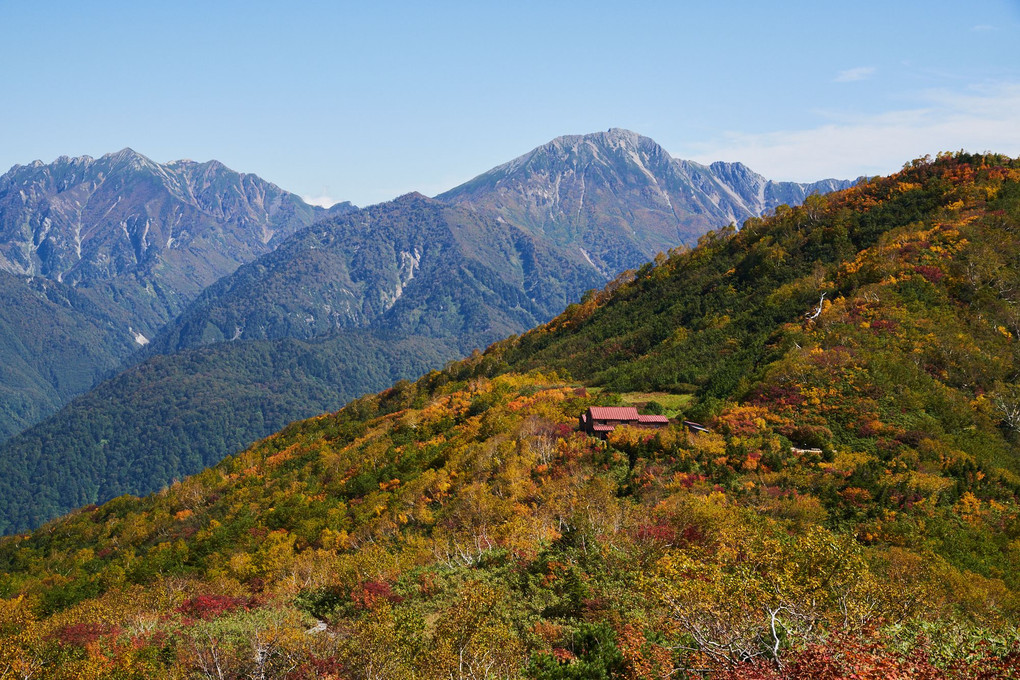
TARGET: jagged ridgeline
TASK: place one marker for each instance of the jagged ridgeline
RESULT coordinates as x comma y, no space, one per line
853,508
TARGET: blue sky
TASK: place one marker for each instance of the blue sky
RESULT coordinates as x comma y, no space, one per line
366,101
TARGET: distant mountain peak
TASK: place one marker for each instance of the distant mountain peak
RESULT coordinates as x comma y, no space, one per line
618,136
624,187
589,147
126,152
127,159
81,221
410,197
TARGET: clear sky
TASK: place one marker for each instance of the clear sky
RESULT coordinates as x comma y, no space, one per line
364,101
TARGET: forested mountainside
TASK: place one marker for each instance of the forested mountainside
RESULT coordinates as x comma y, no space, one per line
54,344
102,252
173,415
850,512
410,283
411,265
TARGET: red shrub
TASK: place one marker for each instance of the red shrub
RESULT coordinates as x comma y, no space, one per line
933,274
207,607
692,535
316,668
657,533
785,395
83,634
367,594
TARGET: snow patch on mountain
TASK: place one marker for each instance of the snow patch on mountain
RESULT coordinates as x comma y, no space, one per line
140,339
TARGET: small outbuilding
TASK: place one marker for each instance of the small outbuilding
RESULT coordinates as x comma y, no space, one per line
695,427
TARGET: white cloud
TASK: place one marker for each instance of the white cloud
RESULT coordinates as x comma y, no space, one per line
985,118
853,74
321,201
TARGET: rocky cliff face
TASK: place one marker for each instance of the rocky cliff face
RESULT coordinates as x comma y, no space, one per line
749,194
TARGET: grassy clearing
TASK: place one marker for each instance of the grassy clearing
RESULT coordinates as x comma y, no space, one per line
673,402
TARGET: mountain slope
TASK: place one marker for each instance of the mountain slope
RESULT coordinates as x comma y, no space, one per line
54,344
740,274
413,264
443,274
853,509
121,244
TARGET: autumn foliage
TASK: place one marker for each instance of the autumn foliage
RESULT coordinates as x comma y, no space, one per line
851,512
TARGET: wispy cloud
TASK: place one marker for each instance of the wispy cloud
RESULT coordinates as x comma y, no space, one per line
853,74
321,201
982,28
985,118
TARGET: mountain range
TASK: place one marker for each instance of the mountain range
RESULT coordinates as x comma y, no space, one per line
522,226
103,252
836,493
373,295
137,235
622,193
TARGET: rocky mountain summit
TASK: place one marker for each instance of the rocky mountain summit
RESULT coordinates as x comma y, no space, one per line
143,236
622,192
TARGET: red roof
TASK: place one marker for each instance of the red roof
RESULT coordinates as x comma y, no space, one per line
653,419
613,412
603,428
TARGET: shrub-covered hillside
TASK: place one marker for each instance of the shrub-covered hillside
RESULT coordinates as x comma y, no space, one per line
852,513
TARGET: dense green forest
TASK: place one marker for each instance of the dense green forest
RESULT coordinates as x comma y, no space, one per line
851,512
174,415
54,343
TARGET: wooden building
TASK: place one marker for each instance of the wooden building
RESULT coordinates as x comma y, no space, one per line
601,420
